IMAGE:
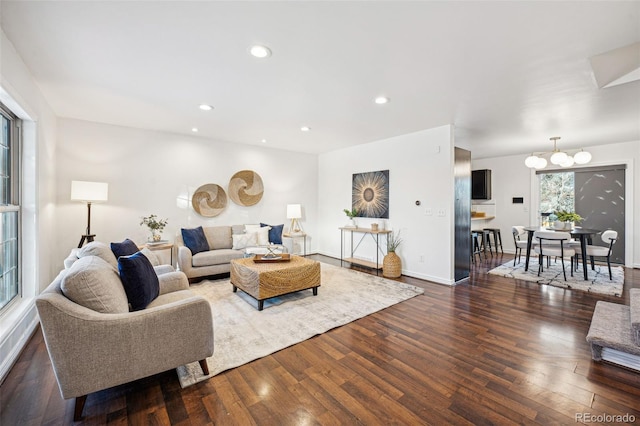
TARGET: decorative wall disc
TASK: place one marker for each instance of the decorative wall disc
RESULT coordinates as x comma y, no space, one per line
209,200
245,188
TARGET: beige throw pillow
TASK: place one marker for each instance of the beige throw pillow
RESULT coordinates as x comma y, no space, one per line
102,250
94,284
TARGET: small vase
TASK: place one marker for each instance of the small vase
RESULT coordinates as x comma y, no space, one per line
391,265
156,237
558,224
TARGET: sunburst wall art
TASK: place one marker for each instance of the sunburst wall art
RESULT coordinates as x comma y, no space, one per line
370,194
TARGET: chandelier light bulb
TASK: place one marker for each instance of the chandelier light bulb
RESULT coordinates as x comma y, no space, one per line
568,162
558,157
582,157
541,163
531,161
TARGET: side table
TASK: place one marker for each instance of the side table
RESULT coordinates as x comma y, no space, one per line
298,235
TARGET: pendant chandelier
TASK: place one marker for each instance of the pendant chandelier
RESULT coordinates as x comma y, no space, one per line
557,157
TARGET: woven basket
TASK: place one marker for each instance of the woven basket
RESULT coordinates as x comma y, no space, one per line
391,266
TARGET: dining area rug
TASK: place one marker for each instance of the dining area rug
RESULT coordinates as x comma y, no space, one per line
598,281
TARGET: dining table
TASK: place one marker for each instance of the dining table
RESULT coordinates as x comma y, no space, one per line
583,234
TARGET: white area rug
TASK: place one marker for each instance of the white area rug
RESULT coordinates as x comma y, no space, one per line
598,280
243,334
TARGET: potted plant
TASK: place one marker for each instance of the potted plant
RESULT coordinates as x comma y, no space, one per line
566,219
351,214
392,264
155,225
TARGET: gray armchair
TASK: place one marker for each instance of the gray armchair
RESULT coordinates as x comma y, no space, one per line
91,351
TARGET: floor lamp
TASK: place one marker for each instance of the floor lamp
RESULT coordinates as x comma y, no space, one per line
294,212
88,192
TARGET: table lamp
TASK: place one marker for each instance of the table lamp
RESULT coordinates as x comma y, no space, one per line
88,192
294,212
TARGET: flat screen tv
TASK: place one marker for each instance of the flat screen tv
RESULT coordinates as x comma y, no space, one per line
481,184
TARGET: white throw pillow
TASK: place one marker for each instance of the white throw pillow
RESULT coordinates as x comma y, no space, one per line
251,228
241,241
262,233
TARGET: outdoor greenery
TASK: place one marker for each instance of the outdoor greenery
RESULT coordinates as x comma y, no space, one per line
557,192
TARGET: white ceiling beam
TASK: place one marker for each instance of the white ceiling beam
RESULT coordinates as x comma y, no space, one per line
617,66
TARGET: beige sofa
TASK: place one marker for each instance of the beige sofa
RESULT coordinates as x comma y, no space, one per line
95,343
225,244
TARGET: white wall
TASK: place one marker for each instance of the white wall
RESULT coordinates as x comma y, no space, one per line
420,168
511,178
19,92
154,172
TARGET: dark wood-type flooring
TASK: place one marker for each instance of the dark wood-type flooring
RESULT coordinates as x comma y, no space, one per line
492,351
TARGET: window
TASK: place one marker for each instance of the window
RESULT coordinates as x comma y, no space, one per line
9,207
557,192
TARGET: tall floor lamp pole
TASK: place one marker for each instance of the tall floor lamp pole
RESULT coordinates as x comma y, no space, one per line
88,236
89,192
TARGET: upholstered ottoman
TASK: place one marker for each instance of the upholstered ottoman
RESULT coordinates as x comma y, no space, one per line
270,279
612,334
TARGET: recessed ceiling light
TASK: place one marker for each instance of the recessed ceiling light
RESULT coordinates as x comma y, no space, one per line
263,141
381,100
194,129
305,128
260,51
206,107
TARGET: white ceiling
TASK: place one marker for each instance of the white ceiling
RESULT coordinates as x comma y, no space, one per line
508,75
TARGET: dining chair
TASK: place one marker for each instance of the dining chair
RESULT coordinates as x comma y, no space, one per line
552,243
608,237
519,242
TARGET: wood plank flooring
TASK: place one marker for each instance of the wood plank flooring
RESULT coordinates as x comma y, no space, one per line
491,351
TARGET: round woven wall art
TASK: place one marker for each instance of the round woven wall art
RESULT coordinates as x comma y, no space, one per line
245,188
209,200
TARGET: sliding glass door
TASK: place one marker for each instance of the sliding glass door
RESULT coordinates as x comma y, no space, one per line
595,193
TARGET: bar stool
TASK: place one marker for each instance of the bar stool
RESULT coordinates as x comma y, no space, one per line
485,241
476,246
497,238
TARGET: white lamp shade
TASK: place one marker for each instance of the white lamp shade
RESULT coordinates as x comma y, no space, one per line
89,191
531,161
294,211
582,157
558,157
541,163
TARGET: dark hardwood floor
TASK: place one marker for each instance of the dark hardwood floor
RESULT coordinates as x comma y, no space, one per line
491,351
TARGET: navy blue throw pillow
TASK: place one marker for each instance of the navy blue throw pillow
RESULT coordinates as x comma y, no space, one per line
275,233
139,280
195,240
125,248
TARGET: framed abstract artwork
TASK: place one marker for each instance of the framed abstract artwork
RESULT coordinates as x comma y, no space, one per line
370,194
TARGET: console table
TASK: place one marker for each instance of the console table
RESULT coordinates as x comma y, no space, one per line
375,235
